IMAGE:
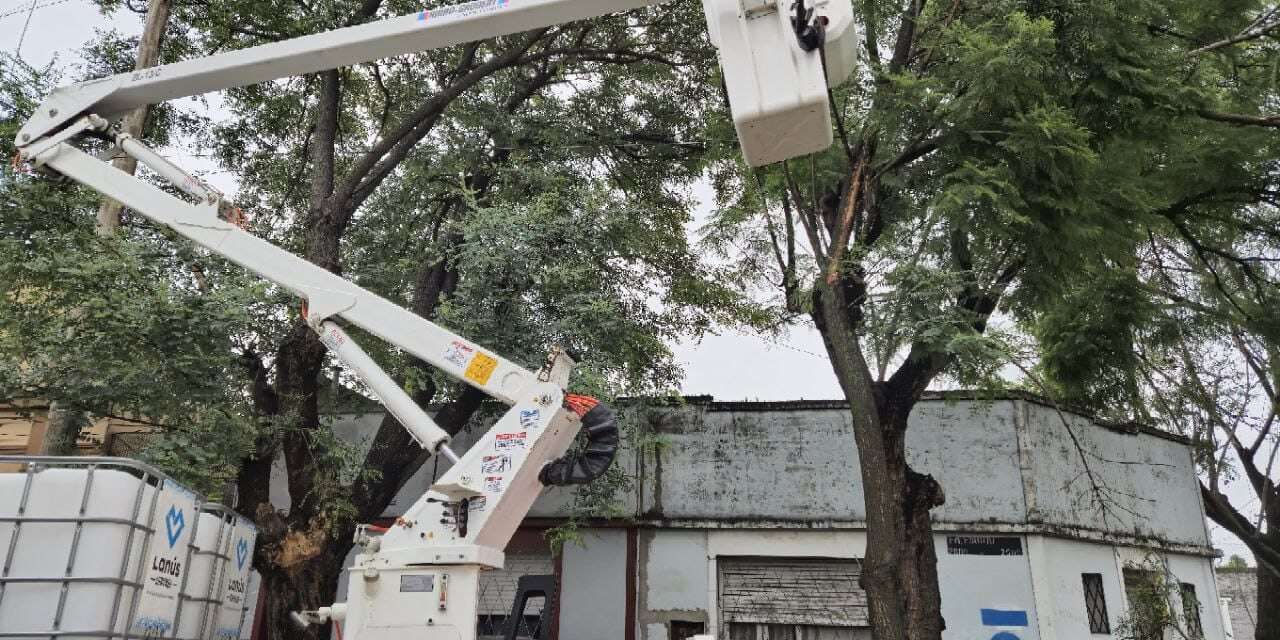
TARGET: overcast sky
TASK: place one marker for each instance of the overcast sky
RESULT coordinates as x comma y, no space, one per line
730,366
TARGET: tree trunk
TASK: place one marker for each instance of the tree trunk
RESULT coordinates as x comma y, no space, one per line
302,575
1268,582
62,428
148,55
899,571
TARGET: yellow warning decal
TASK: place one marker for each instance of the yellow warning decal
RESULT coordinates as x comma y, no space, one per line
481,368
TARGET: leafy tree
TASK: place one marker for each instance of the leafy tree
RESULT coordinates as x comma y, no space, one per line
125,326
1183,332
1235,563
999,163
525,191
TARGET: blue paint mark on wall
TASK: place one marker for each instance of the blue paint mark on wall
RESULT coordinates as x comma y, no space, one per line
1004,635
998,618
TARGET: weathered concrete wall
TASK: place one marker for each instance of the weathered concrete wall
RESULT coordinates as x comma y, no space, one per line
1008,462
1242,589
750,465
1001,462
801,464
1141,484
672,585
972,449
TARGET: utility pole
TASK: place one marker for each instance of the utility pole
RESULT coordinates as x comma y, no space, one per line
64,423
148,55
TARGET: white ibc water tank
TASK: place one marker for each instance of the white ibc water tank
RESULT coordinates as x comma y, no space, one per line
101,546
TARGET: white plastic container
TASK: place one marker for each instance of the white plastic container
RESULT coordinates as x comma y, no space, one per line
200,607
106,547
106,551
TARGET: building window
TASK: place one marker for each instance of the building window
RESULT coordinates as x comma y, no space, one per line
791,599
683,629
1148,594
1095,603
1191,610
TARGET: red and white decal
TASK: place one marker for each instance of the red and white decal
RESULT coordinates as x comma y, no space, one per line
500,463
506,441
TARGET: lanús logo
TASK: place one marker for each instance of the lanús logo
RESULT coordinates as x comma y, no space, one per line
174,523
242,553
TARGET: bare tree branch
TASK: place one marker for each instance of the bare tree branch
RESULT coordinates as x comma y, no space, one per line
1264,25
1240,118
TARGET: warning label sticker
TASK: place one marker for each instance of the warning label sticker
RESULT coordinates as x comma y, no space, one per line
477,504
481,368
495,464
458,352
529,418
493,484
505,441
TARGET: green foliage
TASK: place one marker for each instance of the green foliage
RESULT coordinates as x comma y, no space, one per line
1063,135
1158,608
1234,563
117,325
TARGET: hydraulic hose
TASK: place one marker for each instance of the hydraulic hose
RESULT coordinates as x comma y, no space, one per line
580,467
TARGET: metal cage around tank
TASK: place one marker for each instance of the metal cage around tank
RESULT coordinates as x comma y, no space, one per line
74,566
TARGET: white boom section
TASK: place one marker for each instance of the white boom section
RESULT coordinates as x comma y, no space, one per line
424,430
777,90
428,29
327,294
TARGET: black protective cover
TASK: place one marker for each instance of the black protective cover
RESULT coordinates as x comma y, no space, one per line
580,467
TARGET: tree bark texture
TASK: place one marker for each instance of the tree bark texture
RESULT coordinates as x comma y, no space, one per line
62,428
1268,606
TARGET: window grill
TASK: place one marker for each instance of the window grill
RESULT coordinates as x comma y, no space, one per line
1095,603
1191,610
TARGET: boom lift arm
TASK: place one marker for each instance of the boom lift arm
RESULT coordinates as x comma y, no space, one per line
421,577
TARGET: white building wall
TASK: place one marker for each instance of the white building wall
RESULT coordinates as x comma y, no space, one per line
1148,482
593,587
1001,586
677,581
1057,566
1199,572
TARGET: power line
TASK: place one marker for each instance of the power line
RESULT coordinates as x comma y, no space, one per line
31,9
17,51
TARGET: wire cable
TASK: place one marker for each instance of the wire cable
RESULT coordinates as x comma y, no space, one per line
17,51
30,9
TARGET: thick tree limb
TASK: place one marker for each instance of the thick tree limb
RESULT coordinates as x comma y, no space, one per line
848,211
1219,509
325,139
909,155
906,35
379,162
